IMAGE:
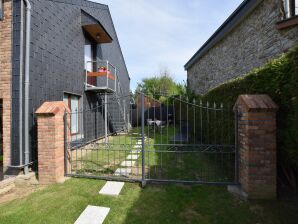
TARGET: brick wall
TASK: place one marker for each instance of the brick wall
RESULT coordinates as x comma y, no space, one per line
257,145
50,128
250,45
5,78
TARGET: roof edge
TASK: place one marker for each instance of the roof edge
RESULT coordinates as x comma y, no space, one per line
98,22
86,3
243,10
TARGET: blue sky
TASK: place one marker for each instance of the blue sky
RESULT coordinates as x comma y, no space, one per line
158,34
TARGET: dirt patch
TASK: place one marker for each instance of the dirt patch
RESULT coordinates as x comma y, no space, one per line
17,193
18,187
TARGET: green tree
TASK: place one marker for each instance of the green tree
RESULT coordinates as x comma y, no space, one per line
161,86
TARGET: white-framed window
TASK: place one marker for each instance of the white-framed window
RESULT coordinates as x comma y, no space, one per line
90,54
88,57
289,8
1,9
74,104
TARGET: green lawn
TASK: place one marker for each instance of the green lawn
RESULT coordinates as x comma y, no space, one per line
154,204
186,163
161,161
102,159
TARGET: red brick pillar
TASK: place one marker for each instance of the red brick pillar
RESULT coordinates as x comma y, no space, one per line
257,145
5,78
50,128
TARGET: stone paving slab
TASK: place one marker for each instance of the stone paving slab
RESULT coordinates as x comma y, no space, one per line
93,215
128,163
122,172
112,188
132,157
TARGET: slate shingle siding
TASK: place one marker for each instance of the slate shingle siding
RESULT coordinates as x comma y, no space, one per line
57,54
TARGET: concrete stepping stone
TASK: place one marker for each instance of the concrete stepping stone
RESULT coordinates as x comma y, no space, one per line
128,163
137,146
132,157
112,188
122,172
93,215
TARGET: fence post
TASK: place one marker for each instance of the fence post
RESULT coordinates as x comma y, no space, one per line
106,118
143,140
65,143
256,139
236,146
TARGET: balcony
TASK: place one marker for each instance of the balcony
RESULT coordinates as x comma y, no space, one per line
101,76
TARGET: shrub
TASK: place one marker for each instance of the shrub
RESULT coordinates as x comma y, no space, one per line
278,79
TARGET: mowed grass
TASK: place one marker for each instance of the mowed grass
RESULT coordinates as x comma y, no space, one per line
155,204
166,161
162,159
101,159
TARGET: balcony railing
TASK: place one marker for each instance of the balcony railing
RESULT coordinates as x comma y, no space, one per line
101,76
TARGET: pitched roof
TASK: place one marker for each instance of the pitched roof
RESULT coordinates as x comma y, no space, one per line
246,7
85,3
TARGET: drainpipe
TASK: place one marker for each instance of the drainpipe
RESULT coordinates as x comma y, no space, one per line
27,84
21,85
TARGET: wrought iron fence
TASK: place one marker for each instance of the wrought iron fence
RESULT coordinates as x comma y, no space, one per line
171,140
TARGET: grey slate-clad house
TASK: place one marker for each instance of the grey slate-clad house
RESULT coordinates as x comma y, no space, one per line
258,31
74,55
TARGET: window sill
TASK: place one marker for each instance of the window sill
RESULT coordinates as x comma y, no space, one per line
287,23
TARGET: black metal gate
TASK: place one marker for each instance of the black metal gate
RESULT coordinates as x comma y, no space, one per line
156,139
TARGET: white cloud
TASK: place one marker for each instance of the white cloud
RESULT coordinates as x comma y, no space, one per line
164,32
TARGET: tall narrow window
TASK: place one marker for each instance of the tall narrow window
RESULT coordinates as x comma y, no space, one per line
1,9
88,57
289,8
90,49
73,103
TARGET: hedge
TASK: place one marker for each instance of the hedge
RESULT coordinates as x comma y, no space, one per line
279,79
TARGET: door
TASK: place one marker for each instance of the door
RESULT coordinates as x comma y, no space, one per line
89,63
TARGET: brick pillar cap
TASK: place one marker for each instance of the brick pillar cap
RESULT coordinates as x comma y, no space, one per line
52,108
256,103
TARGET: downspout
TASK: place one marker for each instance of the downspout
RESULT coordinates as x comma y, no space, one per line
21,85
27,83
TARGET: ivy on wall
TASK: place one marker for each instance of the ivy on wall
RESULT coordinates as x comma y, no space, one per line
278,79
